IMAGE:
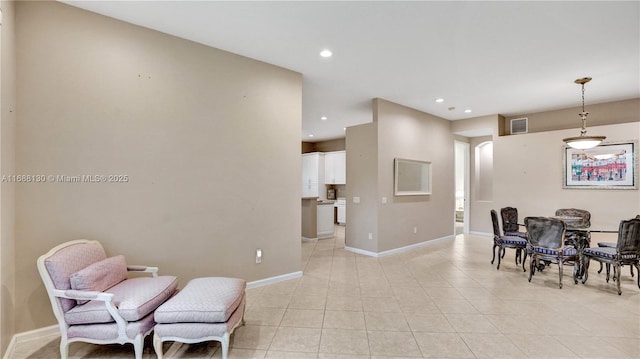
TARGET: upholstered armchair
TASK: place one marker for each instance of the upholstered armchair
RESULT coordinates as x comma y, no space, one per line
626,252
503,242
546,243
510,225
93,299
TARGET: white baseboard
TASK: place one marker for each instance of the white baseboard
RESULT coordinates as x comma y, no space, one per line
306,239
30,335
276,279
398,250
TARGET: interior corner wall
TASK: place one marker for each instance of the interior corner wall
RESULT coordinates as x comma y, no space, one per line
209,142
407,133
7,167
528,176
362,166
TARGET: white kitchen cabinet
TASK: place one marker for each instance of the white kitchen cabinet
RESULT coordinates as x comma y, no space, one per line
313,175
335,164
325,221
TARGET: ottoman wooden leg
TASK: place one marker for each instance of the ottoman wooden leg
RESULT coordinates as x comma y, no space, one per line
157,345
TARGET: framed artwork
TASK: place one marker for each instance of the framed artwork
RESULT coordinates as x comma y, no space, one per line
612,165
411,177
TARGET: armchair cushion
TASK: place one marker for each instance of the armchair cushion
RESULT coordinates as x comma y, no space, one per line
100,275
134,298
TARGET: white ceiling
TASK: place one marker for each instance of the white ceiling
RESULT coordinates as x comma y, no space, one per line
501,57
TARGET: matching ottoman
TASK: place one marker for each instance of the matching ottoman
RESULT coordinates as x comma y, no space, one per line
206,309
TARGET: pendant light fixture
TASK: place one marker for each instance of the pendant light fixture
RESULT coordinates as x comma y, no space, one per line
583,141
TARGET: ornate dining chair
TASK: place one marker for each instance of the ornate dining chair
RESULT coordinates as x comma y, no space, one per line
503,242
626,252
612,245
578,222
510,224
546,243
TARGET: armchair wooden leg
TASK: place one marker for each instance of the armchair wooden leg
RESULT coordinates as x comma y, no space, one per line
560,272
585,273
64,348
531,267
617,267
494,254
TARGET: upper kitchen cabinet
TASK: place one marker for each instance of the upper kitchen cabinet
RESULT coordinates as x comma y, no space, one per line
335,167
313,175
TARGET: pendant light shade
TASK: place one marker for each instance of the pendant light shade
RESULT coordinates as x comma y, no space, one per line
583,141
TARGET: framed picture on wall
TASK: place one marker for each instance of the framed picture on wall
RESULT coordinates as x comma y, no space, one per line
411,177
612,165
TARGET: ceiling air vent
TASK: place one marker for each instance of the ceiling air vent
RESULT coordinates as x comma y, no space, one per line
519,125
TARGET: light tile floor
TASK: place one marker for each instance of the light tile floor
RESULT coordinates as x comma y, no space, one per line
443,300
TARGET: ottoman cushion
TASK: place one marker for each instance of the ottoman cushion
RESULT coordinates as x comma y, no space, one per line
203,300
196,331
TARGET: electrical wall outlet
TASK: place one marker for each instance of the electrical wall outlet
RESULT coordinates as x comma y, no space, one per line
258,255
370,235
415,230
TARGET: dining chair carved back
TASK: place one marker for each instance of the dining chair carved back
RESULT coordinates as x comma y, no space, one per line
626,252
502,242
510,224
546,244
578,223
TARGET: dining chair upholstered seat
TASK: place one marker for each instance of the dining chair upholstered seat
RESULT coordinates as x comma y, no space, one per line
94,301
546,243
502,242
626,252
612,245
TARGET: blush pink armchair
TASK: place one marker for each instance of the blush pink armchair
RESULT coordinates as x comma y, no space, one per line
94,300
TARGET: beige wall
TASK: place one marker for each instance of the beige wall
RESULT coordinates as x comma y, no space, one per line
362,182
210,141
528,175
398,131
407,133
7,166
599,114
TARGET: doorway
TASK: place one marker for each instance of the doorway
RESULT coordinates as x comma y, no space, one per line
461,209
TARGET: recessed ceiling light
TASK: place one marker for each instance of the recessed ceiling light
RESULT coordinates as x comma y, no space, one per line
323,118
326,53
344,128
467,111
311,135
439,100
